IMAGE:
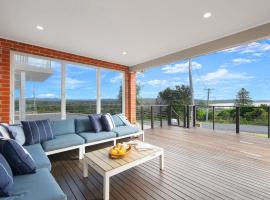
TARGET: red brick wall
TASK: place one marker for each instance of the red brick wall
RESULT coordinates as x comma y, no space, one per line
131,96
7,45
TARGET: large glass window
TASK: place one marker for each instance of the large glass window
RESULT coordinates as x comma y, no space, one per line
81,91
111,91
44,89
37,89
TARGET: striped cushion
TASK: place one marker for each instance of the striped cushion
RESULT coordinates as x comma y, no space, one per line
18,158
4,131
37,131
6,177
107,122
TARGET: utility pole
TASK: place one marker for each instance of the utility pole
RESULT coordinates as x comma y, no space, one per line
190,81
191,89
207,102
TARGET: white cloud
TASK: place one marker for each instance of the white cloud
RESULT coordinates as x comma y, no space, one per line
240,61
72,83
180,67
117,78
224,74
46,95
157,82
254,47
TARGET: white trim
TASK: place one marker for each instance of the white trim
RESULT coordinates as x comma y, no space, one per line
22,102
63,91
63,149
131,135
98,88
99,142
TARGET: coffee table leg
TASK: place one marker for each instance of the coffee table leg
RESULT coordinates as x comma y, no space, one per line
106,187
85,168
161,161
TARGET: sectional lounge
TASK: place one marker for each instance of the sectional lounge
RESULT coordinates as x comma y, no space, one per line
69,135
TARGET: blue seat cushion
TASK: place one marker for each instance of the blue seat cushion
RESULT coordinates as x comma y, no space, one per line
38,186
6,177
37,131
62,127
20,161
125,130
39,156
94,137
62,141
82,125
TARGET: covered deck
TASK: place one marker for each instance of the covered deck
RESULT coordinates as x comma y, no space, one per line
199,164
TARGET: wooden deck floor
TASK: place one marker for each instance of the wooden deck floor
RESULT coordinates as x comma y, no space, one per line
199,164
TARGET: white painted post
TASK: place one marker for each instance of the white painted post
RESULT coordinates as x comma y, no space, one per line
63,91
22,96
98,109
12,89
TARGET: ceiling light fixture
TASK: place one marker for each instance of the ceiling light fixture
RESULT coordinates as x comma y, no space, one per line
38,27
124,53
207,15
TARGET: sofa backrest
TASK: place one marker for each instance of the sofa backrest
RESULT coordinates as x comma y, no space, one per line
82,125
117,121
62,127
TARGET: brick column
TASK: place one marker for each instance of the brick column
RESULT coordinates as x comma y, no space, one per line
4,83
130,95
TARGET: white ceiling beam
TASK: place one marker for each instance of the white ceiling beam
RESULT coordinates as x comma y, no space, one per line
253,34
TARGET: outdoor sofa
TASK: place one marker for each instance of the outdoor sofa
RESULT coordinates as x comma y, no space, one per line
69,134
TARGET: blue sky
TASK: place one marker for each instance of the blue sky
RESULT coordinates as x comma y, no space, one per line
225,72
80,83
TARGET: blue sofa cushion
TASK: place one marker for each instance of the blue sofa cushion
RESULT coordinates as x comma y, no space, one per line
6,177
62,127
37,131
94,137
39,156
117,121
18,158
95,121
62,141
16,130
125,130
82,125
38,186
107,122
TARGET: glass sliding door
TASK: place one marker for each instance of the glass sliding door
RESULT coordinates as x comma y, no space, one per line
111,91
80,91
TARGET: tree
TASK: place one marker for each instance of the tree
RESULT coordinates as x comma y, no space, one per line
180,95
243,98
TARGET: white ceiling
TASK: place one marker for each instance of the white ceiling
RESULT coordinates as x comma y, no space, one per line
145,29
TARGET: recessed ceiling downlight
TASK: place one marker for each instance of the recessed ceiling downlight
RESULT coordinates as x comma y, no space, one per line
38,27
124,53
207,15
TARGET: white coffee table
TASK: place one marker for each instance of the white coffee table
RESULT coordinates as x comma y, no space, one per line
107,167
